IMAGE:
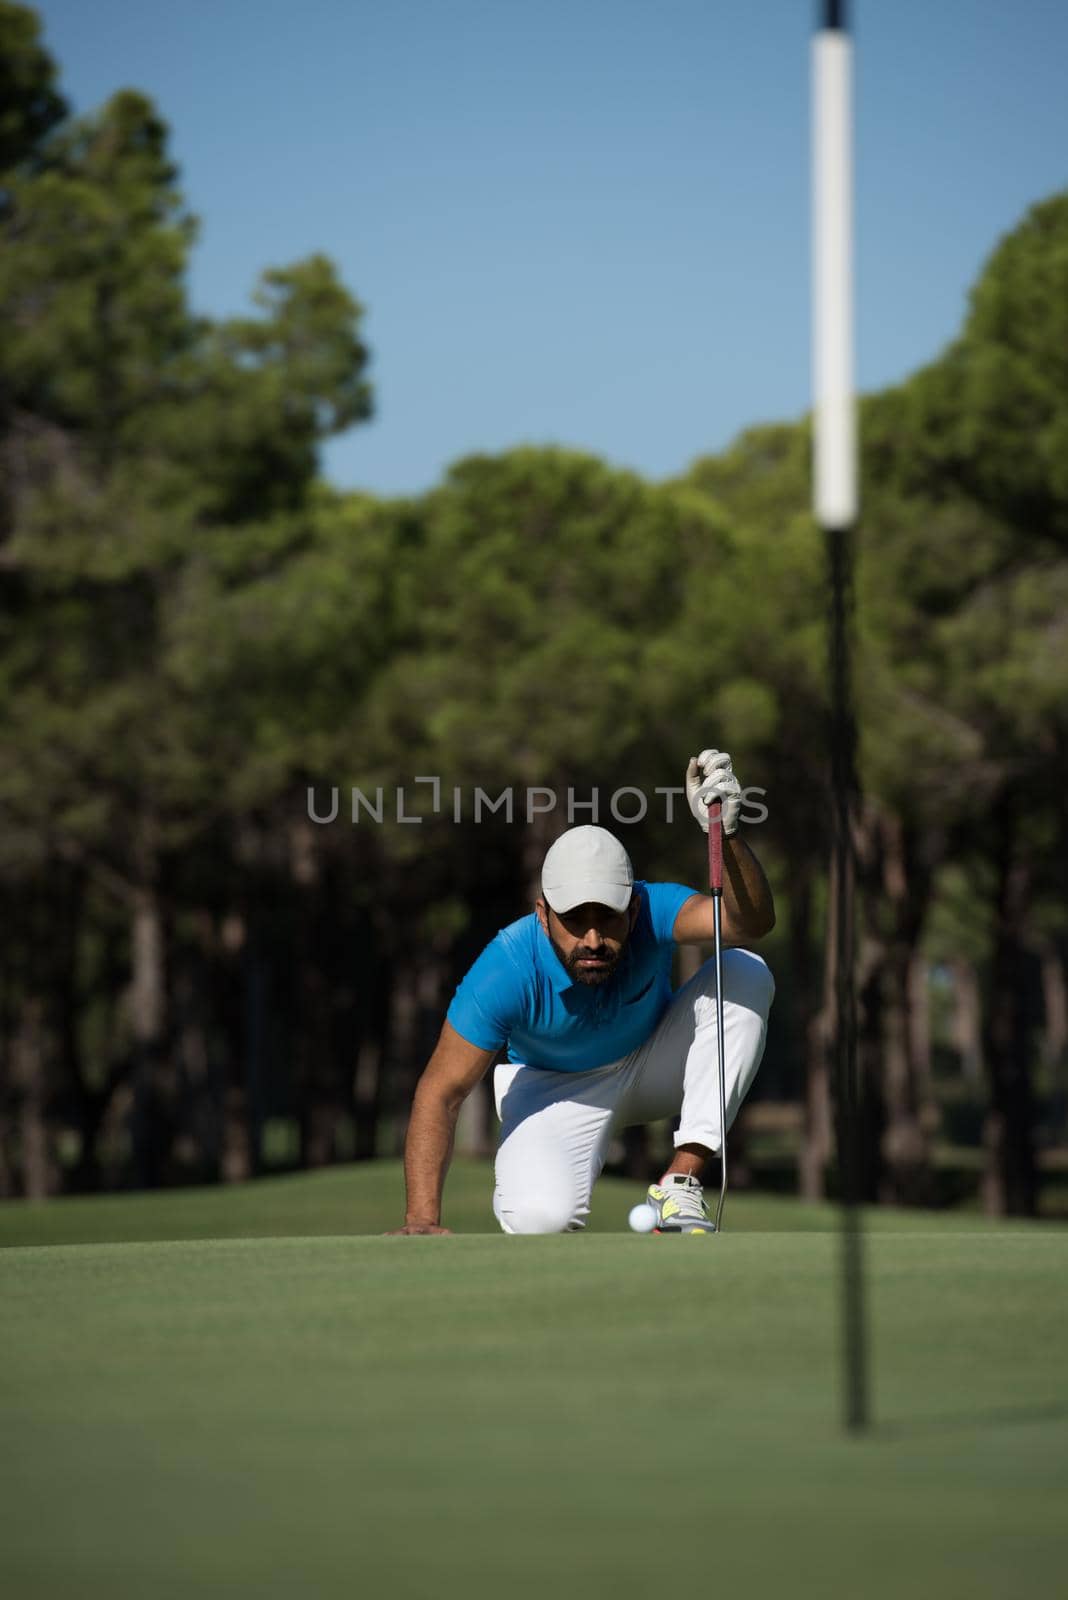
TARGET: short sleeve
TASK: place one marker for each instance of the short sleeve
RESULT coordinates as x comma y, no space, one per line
488,1000
666,900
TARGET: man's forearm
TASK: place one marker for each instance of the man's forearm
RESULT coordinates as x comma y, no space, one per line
427,1152
747,897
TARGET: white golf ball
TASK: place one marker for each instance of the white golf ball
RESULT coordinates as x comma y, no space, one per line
642,1218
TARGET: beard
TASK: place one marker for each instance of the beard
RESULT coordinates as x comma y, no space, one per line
590,976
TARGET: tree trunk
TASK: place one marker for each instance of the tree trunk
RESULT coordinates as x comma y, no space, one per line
29,1073
1054,1010
368,1088
906,1177
154,1083
321,1094
103,1107
893,1048
321,1098
238,1008
1055,1030
116,1120
871,1066
7,1174
66,924
1010,1178
199,1145
401,1075
811,1020
967,1025
906,1173
918,991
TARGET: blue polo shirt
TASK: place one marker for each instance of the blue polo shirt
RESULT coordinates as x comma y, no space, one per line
519,992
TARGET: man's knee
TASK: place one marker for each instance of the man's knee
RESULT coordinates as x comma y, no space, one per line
747,981
533,1215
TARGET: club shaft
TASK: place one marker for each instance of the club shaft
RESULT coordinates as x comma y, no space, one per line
715,883
717,901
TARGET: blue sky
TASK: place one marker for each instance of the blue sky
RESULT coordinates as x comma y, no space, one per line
584,221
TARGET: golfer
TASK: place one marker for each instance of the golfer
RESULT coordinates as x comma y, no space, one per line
579,996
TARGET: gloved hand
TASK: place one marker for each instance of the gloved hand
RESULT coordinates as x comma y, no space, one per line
709,777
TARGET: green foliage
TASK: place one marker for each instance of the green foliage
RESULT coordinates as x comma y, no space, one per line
91,277
253,397
30,105
284,652
536,589
994,410
135,437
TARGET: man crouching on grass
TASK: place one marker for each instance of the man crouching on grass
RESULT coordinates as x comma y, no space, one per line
580,994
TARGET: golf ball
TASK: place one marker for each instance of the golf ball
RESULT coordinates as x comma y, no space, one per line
642,1218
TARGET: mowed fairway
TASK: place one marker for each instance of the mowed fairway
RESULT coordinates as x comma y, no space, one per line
600,1416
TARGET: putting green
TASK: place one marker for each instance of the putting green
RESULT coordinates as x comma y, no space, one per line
369,1199
596,1416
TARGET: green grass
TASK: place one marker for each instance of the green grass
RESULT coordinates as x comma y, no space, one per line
369,1199
297,1406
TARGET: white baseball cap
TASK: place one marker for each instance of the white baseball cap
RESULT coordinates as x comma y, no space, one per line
587,866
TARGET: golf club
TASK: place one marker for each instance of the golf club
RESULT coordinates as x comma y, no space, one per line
715,883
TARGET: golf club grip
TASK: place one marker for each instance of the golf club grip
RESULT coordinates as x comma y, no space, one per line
715,847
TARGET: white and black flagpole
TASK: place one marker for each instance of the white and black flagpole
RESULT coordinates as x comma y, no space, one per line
835,436
835,504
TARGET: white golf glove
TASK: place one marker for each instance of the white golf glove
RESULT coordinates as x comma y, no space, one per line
709,777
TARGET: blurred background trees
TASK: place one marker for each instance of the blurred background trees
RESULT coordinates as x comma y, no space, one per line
203,642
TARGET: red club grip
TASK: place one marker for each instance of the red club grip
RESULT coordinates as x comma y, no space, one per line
715,847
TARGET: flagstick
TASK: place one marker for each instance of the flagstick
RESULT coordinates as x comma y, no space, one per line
835,507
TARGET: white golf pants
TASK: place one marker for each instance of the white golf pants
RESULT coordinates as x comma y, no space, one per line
556,1126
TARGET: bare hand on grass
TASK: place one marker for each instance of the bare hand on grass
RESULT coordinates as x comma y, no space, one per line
416,1227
